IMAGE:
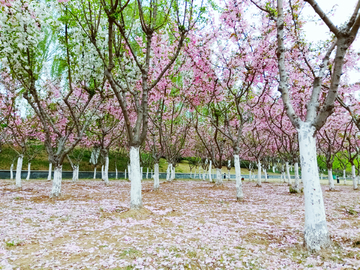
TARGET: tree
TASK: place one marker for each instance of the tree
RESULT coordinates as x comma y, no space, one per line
319,108
62,110
142,42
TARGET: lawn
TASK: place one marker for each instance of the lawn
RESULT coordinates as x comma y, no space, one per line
187,224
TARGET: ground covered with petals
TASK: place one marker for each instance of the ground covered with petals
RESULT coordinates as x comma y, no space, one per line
185,225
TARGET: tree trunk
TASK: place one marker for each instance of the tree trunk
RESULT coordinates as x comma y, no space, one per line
316,234
29,171
125,174
259,174
249,175
344,177
239,191
56,184
147,173
331,180
77,171
273,168
102,172
156,176
74,173
266,176
116,173
95,173
172,172
11,172
288,172
135,178
210,178
168,173
18,170
297,178
353,176
50,170
106,170
129,172
218,177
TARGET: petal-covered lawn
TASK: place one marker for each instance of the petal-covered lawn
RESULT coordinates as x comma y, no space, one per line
187,224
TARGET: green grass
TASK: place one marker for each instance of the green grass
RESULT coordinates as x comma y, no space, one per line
41,162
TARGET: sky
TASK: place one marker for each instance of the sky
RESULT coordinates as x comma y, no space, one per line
342,12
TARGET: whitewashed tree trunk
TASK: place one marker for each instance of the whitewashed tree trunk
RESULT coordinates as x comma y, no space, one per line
228,176
77,172
156,176
288,173
147,173
249,175
95,173
297,178
218,177
50,170
106,171
116,173
266,177
102,172
238,183
344,175
273,168
135,178
29,171
331,180
259,174
11,172
168,172
204,175
316,235
210,178
353,176
56,184
129,173
172,177
74,173
18,170
125,174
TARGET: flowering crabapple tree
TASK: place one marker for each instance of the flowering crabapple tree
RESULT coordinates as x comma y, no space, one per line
129,38
256,139
352,148
321,100
284,137
211,138
106,129
62,109
244,63
331,140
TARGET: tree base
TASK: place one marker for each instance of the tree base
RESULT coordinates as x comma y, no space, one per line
316,238
258,185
